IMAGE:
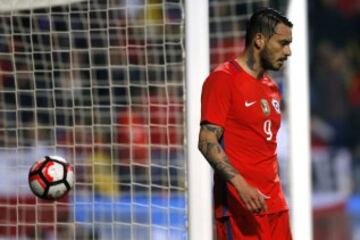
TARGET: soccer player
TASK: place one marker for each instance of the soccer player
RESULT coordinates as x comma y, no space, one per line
240,117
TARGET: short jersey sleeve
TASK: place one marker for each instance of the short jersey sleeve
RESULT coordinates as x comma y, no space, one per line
215,98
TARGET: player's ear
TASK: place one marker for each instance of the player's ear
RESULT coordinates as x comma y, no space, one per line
259,40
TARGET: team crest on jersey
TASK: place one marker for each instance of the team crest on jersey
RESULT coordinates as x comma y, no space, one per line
276,105
265,107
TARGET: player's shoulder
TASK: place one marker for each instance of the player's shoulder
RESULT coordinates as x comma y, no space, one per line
225,68
220,77
223,72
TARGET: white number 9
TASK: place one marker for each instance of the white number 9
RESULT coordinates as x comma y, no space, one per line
267,130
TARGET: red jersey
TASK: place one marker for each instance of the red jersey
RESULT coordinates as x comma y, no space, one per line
248,109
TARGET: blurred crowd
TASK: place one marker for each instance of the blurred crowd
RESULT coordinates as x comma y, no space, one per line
334,39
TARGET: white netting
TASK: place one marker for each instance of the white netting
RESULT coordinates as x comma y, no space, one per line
100,83
228,20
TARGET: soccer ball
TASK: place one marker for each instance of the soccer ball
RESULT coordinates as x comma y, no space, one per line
51,177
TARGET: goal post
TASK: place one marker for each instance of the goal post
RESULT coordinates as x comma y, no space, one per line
197,68
18,5
299,124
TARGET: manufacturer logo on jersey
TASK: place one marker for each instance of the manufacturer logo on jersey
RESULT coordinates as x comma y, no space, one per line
276,105
248,104
265,107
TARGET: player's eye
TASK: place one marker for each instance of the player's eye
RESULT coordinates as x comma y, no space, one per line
284,43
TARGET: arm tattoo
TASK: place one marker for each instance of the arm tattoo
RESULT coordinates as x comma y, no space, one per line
211,128
214,153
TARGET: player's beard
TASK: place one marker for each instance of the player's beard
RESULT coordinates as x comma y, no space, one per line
267,61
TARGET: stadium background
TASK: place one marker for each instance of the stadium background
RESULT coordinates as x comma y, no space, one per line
102,83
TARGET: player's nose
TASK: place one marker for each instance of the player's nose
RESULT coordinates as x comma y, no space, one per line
287,51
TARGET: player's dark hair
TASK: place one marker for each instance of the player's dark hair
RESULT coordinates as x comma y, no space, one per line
264,21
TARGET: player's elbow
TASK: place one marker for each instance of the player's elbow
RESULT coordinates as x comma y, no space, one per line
201,147
205,138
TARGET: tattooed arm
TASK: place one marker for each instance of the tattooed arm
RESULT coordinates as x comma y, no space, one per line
211,149
213,152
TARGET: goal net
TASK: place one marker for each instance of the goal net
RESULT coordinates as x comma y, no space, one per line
100,83
228,26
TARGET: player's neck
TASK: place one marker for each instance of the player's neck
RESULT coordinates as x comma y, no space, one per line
250,62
